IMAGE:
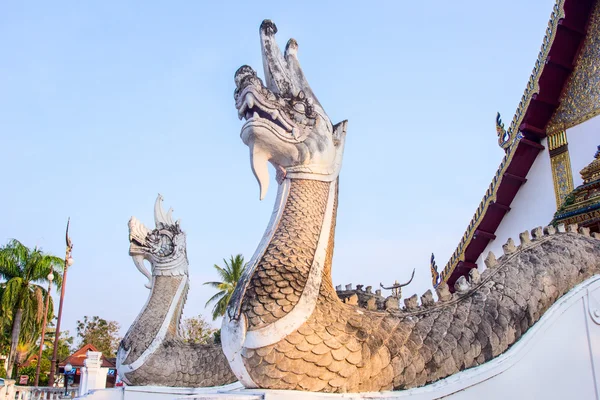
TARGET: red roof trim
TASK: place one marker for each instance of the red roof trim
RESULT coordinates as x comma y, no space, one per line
76,359
557,66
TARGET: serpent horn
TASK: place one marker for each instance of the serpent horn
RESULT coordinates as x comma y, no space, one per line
159,214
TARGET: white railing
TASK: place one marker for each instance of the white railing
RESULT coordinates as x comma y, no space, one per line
14,392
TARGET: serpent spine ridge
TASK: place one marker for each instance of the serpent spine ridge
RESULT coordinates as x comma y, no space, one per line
285,327
152,352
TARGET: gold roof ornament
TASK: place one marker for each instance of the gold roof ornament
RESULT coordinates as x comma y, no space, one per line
582,205
503,136
592,171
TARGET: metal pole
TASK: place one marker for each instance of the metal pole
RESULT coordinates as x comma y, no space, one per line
66,384
39,361
68,261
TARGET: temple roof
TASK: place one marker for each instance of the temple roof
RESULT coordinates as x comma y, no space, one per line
76,359
564,36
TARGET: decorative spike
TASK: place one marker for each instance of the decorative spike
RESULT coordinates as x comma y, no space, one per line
378,292
572,228
427,299
490,261
509,247
537,233
443,292
462,285
474,276
338,288
411,303
352,300
596,235
524,238
372,304
584,231
349,286
369,289
549,230
561,228
391,303
359,288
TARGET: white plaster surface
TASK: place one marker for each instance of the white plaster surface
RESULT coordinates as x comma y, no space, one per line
583,140
556,359
534,205
93,375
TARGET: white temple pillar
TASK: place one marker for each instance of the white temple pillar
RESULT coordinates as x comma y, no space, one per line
93,376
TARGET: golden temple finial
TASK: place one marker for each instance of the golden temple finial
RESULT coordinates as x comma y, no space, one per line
503,136
592,171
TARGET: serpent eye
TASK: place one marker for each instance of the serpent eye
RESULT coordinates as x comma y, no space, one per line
165,246
300,107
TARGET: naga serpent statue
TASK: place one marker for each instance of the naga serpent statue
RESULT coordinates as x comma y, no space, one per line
152,352
285,328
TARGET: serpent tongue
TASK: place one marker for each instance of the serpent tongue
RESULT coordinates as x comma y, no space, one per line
259,160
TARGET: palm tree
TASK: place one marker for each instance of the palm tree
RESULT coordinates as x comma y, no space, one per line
22,298
230,275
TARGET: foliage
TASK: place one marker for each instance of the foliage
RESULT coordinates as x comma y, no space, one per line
29,371
99,332
23,293
196,330
64,350
230,275
65,345
217,337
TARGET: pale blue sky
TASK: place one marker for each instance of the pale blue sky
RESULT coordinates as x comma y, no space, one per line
105,104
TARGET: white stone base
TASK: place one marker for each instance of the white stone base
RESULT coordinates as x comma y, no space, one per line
559,358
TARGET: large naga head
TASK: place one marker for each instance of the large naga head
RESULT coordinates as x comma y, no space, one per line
285,123
163,247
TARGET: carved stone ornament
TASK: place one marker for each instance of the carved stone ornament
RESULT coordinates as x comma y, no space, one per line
285,327
152,352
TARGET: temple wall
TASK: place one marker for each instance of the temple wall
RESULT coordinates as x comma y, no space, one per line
534,205
583,141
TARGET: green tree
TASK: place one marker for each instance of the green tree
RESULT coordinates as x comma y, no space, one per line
65,343
103,334
22,303
197,330
230,275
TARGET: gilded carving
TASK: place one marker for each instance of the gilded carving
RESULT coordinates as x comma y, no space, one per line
562,176
582,205
557,140
580,100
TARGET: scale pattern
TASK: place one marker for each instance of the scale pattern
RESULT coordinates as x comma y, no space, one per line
281,274
175,363
180,364
345,349
145,329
